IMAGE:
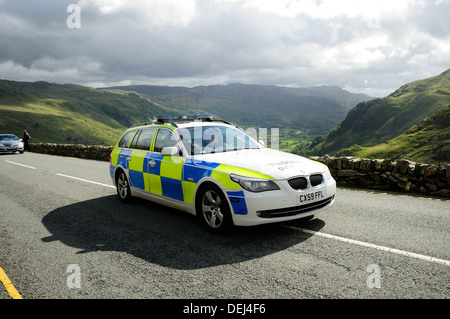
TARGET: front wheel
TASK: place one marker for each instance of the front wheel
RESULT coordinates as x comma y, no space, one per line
213,210
123,187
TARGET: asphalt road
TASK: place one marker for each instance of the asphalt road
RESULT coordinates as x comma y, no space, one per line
65,238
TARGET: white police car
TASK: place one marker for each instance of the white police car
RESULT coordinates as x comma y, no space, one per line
218,172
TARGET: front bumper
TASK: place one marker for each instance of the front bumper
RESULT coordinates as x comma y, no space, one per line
282,205
12,148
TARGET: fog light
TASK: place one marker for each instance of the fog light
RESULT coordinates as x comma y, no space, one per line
263,214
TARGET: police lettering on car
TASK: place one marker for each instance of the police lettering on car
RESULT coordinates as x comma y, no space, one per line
217,172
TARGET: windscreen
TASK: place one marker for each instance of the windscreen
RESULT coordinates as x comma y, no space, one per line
8,138
216,139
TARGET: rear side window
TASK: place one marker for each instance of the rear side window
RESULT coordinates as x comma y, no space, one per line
126,139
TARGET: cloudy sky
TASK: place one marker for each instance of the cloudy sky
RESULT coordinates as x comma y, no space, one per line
363,46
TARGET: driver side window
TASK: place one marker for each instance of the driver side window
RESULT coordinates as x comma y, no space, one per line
165,138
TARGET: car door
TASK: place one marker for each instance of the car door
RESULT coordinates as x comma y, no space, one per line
139,157
165,172
121,153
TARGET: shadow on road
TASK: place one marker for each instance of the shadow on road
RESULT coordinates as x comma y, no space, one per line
164,236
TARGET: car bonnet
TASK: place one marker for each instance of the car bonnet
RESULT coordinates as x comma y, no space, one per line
278,165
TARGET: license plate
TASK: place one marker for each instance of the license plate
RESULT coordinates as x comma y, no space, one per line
310,197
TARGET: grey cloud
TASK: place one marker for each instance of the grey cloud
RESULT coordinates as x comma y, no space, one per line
433,18
236,45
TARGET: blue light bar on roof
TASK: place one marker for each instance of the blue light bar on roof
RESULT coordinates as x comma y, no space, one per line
189,117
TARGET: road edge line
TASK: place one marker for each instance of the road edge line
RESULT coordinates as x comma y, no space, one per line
12,291
374,246
85,180
18,164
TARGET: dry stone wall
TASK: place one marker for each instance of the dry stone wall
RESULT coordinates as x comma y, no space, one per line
94,152
383,174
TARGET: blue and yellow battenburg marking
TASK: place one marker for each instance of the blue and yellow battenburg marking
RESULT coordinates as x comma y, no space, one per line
177,177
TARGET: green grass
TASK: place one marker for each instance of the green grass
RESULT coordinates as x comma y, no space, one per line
290,138
70,113
426,142
47,124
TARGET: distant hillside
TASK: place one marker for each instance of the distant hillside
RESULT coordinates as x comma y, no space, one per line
71,113
426,142
380,120
314,110
76,114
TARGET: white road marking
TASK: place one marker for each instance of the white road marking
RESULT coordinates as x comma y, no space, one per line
30,167
383,248
86,180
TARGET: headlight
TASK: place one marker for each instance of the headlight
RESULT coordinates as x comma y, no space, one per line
326,171
254,184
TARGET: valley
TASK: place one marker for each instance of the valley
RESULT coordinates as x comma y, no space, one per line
310,121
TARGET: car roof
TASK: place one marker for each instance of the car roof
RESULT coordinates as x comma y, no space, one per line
183,121
197,124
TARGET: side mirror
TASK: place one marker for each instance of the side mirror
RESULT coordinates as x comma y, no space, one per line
170,151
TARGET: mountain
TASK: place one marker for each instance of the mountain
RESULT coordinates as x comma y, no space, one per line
315,110
426,142
379,120
71,113
68,113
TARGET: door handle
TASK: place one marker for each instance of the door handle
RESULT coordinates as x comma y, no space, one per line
152,163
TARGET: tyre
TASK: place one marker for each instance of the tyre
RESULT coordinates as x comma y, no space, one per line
123,187
213,210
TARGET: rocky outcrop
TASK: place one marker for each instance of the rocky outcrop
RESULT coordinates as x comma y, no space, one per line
400,175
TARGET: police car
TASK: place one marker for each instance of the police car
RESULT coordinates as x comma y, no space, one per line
214,170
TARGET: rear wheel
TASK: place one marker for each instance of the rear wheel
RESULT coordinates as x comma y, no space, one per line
213,209
123,187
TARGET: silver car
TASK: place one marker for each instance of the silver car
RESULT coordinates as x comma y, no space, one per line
11,144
